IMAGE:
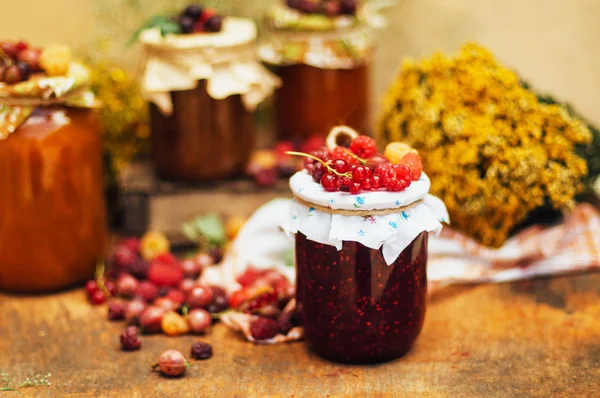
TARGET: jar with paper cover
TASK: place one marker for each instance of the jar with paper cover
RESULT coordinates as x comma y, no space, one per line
323,53
52,210
202,87
361,258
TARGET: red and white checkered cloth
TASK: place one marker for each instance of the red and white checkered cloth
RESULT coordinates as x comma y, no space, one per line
573,245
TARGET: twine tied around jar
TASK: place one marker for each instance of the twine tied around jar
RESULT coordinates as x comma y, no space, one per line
359,213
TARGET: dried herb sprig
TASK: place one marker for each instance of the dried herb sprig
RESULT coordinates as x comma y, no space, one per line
38,379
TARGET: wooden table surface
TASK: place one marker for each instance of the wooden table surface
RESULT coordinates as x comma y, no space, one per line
533,338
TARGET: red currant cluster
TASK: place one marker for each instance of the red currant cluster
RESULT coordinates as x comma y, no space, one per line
360,168
197,19
17,61
330,8
265,294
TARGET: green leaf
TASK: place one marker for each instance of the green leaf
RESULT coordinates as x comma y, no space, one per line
170,27
157,21
212,228
289,258
190,232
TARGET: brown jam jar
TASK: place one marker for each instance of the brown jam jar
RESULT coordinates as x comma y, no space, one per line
356,308
325,80
202,89
203,138
312,100
52,210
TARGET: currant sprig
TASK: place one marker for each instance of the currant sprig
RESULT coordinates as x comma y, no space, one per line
327,164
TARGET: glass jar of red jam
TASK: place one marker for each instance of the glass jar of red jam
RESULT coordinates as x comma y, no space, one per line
354,307
325,79
202,89
361,267
52,210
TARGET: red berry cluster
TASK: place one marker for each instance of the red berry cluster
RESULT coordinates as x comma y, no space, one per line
161,295
18,61
265,294
357,168
330,8
197,19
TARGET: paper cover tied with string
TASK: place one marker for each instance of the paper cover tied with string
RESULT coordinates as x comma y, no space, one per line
378,219
227,60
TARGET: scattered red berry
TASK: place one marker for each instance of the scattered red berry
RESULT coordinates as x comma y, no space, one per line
260,301
364,147
284,322
116,311
201,350
9,48
127,285
191,268
147,290
204,260
22,46
132,243
139,268
124,257
91,287
151,318
186,285
199,320
174,324
199,296
166,304
262,328
165,274
249,276
172,363
129,339
133,311
238,298
219,301
98,297
176,295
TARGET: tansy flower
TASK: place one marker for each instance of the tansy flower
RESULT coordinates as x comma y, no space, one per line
494,151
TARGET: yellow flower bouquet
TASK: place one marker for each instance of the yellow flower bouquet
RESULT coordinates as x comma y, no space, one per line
497,153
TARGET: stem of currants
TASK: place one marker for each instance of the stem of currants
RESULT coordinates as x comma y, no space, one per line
361,160
100,279
326,164
5,57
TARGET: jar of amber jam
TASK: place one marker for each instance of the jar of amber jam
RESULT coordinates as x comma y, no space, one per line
361,267
324,64
52,210
202,89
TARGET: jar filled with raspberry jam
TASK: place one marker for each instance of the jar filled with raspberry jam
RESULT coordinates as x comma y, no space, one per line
52,210
322,52
361,259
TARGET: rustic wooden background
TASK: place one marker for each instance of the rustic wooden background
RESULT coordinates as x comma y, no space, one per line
536,338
